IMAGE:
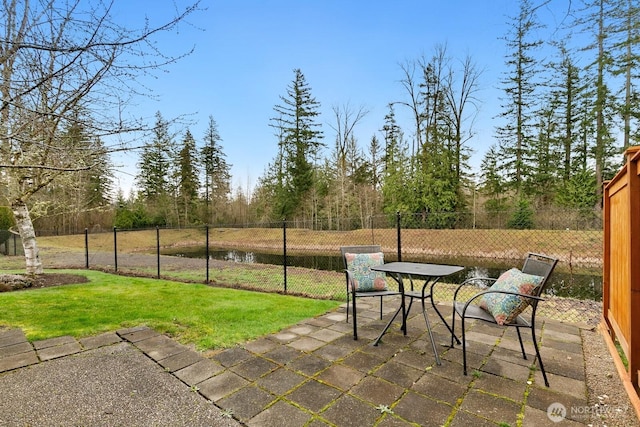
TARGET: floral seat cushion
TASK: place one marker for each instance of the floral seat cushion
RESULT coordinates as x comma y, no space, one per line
363,278
504,307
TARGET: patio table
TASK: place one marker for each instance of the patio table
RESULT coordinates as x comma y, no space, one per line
430,273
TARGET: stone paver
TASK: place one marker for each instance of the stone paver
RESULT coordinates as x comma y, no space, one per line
254,367
180,360
53,342
314,395
497,409
16,361
101,340
137,334
49,353
199,371
281,381
215,388
11,336
13,349
279,415
159,347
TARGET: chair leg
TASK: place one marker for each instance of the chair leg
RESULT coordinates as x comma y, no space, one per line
347,305
453,327
524,355
464,348
535,345
355,319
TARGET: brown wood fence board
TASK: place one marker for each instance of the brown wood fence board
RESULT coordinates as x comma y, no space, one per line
621,274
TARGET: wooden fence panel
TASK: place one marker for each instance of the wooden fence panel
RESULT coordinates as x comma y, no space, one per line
621,275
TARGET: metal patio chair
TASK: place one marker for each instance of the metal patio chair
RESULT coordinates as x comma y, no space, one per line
503,302
361,281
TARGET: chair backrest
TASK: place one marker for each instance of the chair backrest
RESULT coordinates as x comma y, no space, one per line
359,276
539,265
358,250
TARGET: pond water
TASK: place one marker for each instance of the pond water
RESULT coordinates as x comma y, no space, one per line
583,285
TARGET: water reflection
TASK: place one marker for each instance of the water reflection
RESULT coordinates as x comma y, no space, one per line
581,286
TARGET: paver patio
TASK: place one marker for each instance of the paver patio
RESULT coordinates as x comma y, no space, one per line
315,374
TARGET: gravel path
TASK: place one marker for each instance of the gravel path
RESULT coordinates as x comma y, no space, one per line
608,398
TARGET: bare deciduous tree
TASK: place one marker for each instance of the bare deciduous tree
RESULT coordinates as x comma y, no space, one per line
60,61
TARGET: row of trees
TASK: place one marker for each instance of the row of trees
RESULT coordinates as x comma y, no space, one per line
559,135
565,124
179,183
561,129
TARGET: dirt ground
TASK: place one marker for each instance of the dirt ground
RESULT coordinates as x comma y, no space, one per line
19,282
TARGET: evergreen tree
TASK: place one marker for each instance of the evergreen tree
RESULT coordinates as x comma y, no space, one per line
377,165
522,218
154,163
155,172
99,179
564,101
395,159
492,183
188,182
544,157
217,174
74,197
626,28
520,100
598,12
577,193
300,144
93,186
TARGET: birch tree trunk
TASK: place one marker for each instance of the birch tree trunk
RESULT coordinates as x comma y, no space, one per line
28,235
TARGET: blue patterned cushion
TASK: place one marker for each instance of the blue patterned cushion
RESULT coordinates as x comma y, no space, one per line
503,307
364,279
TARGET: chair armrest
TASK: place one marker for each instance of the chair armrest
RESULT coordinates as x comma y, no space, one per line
349,276
489,291
472,282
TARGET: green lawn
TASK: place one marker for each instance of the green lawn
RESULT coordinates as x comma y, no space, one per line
206,316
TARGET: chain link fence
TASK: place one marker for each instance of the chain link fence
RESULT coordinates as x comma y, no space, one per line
10,243
304,258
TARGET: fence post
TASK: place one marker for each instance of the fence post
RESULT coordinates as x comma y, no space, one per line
284,252
86,248
399,237
373,238
115,249
158,248
206,251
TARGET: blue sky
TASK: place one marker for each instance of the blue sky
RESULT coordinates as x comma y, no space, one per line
350,52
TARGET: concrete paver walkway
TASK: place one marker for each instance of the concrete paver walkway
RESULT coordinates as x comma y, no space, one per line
312,374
